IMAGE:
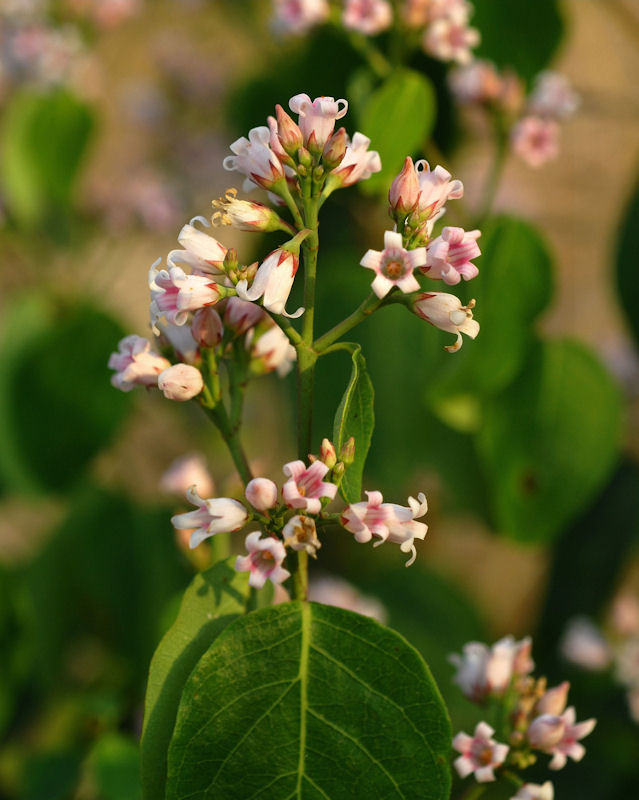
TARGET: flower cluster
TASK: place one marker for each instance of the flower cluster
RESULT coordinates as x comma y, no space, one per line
533,120
292,522
444,24
534,717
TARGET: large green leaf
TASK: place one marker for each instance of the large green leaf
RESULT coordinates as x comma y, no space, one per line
44,137
213,600
627,273
308,701
355,417
512,288
55,391
550,441
398,118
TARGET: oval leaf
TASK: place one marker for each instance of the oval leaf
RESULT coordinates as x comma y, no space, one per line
398,118
304,700
550,440
355,417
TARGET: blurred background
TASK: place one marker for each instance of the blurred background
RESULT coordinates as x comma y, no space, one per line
115,116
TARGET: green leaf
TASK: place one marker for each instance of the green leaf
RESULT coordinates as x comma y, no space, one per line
308,701
55,389
115,768
520,35
627,275
355,417
550,440
512,288
214,599
43,141
398,118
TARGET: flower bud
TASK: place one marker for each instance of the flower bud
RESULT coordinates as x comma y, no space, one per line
207,328
338,472
404,191
554,700
180,382
230,260
546,731
334,149
304,157
261,493
240,315
347,453
327,453
243,214
288,131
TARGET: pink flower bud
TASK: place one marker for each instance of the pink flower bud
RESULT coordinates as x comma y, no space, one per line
207,328
335,148
290,134
554,700
261,493
347,453
546,731
180,382
327,453
404,190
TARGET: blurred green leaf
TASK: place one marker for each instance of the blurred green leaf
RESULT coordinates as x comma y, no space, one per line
308,699
44,137
115,768
627,272
550,440
57,406
355,417
512,288
398,117
520,34
213,600
51,775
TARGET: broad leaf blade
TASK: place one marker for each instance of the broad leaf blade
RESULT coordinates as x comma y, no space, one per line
307,701
355,417
214,599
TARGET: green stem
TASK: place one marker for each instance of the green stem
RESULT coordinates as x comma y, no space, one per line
230,434
375,59
286,195
370,304
474,792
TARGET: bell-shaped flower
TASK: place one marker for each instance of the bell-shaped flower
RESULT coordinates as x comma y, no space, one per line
394,265
535,140
484,671
446,312
202,253
174,293
264,560
300,533
404,190
297,16
185,472
261,494
135,364
569,746
180,382
215,515
369,17
480,753
254,158
270,350
305,487
317,118
358,164
435,189
244,215
450,38
273,282
448,257
535,791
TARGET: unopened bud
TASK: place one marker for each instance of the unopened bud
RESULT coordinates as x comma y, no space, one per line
546,731
289,132
207,328
276,144
304,158
230,260
261,493
554,700
338,472
404,190
334,149
327,453
347,453
180,382
312,459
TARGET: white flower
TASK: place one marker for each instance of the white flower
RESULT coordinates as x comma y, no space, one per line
216,515
136,364
273,282
180,382
264,560
394,265
446,312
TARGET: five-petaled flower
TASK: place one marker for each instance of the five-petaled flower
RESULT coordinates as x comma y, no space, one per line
215,515
317,118
394,265
264,560
559,736
480,753
305,487
449,256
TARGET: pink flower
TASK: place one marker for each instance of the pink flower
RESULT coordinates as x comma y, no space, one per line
394,265
535,791
484,671
261,493
186,472
254,158
553,700
478,82
181,382
480,753
559,736
435,189
264,560
387,521
584,644
216,515
317,117
271,350
202,253
446,312
367,16
448,257
404,190
273,282
240,315
207,329
535,140
450,39
358,164
297,16
174,294
305,486
552,96
136,364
